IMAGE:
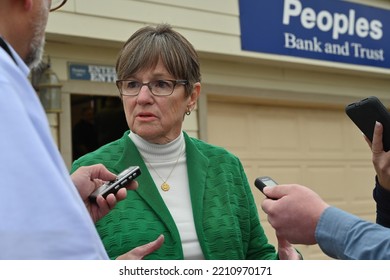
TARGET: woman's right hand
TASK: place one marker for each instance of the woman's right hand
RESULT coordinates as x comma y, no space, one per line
140,252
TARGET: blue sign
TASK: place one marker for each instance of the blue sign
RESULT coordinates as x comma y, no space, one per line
328,30
95,73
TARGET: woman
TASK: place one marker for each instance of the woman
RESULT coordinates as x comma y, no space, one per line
195,194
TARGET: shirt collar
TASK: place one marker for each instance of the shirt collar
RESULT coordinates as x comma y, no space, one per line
17,59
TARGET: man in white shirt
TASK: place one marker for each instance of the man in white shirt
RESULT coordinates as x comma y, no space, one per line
43,215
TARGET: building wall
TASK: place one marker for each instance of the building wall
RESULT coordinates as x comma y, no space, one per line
212,26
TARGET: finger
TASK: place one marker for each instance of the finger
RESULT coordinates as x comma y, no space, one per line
141,251
266,205
275,192
133,185
112,200
377,144
99,171
121,194
286,250
103,204
282,242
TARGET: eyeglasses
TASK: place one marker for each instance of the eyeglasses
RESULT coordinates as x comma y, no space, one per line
157,88
56,4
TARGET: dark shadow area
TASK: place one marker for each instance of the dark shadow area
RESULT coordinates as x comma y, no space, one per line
96,120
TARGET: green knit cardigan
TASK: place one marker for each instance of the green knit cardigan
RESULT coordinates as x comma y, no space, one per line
225,214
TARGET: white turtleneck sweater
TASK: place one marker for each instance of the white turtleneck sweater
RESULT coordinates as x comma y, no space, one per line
168,163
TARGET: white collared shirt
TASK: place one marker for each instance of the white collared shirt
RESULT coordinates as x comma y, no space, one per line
42,215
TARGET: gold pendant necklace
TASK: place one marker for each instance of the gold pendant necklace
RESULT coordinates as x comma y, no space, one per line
165,186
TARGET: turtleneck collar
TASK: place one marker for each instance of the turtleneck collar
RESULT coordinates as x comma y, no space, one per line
154,153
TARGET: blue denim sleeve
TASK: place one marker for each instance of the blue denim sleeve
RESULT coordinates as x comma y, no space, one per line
341,235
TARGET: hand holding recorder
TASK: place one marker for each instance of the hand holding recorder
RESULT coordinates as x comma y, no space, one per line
264,181
293,211
88,179
285,250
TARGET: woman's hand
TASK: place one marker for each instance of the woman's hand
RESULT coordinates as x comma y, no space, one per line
286,251
140,252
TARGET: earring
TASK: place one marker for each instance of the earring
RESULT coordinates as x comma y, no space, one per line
188,112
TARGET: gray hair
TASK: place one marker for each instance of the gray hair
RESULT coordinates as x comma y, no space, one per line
148,45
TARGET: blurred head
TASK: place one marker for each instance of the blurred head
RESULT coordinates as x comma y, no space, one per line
39,22
37,40
154,58
23,24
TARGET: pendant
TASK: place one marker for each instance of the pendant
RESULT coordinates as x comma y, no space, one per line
165,187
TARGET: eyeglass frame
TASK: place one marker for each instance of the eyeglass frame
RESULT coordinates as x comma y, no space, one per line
175,83
58,6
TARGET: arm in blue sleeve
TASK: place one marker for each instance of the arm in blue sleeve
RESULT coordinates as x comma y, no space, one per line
342,235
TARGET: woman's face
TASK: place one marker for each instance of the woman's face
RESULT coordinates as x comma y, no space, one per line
158,119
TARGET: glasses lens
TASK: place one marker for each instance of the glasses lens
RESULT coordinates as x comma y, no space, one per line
56,4
129,87
162,87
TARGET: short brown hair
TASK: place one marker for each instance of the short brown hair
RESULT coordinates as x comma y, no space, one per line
149,44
